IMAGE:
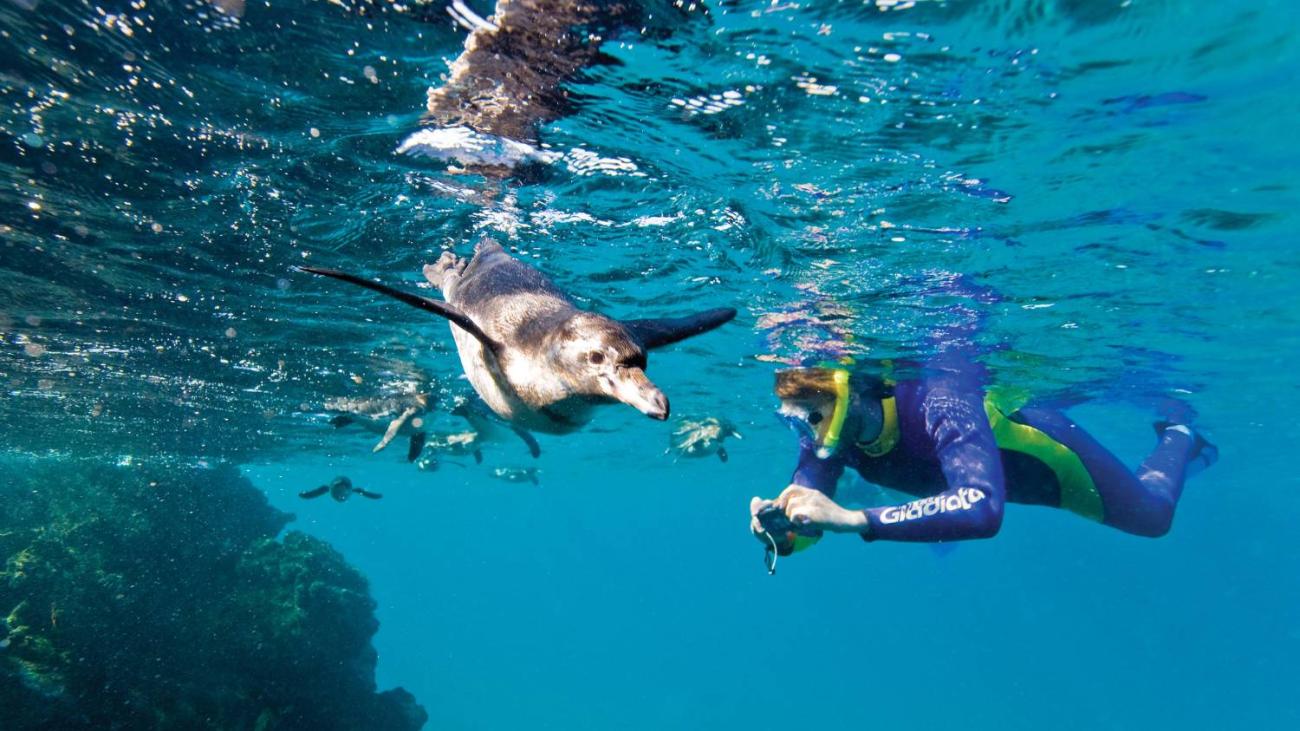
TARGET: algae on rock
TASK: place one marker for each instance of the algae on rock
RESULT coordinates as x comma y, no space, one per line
139,598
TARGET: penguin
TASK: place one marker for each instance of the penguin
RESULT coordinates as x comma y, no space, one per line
340,488
535,359
485,427
517,474
701,437
388,417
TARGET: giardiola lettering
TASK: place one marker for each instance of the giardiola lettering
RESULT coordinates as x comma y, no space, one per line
963,499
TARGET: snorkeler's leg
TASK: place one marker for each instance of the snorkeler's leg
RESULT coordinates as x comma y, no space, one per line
1142,503
1179,453
1203,453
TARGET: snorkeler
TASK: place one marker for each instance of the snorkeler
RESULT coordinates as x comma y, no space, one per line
963,453
340,488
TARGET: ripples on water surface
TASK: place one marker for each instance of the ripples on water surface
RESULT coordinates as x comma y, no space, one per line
1123,175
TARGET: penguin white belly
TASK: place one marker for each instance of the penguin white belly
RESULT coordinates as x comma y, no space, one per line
557,413
501,400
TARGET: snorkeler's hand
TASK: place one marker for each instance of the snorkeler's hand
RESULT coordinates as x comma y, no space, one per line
812,509
756,504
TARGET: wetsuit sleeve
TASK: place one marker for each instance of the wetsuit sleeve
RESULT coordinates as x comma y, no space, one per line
813,472
972,505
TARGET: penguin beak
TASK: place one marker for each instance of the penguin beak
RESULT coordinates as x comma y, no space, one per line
631,386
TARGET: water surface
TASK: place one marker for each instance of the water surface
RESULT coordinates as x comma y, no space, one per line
1121,174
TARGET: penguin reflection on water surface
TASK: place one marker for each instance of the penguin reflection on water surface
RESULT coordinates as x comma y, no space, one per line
534,358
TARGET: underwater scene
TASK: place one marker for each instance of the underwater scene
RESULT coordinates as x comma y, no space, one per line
649,364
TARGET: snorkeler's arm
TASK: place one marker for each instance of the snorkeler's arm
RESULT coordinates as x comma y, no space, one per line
817,473
972,505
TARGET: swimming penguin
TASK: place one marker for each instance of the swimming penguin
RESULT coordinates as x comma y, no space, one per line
701,437
454,443
487,427
517,474
483,428
534,358
389,417
340,488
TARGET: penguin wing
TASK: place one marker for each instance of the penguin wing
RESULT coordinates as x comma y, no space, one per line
534,448
460,319
393,427
658,332
416,445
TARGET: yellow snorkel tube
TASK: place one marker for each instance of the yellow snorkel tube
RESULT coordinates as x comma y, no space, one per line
829,444
831,441
827,439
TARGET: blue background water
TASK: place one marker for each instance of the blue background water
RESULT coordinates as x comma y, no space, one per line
1122,173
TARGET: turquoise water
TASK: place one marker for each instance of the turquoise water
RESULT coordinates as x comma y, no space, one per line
1122,173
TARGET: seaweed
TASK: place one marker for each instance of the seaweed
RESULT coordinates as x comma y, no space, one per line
142,597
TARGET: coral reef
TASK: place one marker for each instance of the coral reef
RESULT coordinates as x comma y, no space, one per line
161,599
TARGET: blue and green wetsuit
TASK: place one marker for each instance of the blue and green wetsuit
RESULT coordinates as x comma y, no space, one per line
947,442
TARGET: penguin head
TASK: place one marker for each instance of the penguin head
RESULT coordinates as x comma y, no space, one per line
341,488
600,358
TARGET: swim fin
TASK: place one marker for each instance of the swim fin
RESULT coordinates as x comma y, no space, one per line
1203,454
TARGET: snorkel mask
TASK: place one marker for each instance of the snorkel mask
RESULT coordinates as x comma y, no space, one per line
815,402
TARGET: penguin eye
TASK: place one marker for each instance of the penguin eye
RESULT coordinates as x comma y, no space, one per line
596,357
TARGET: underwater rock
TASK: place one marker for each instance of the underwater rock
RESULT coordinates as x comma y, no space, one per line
161,599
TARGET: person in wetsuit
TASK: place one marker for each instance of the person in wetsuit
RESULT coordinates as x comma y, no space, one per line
963,453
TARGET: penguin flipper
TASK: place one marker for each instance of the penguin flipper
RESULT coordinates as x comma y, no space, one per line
393,427
341,421
661,331
315,492
442,309
478,456
366,493
534,448
722,453
416,446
